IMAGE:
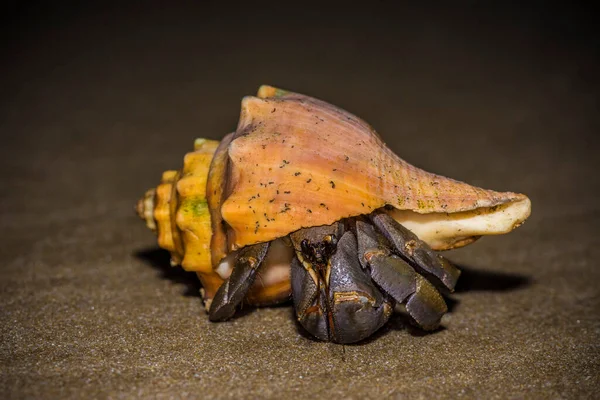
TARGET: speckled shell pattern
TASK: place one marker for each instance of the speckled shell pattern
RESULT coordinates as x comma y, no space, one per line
296,162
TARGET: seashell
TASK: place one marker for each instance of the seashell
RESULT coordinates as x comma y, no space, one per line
291,145
296,162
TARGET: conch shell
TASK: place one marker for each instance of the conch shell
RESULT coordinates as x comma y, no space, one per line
303,162
296,162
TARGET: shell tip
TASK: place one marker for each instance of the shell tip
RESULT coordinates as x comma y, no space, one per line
265,91
145,208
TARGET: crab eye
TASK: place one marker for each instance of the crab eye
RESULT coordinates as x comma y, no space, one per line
306,249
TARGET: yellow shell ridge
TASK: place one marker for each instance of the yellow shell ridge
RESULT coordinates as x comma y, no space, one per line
192,215
180,213
162,215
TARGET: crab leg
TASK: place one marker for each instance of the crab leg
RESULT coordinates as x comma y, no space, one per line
359,308
234,289
416,250
397,278
310,277
309,300
334,298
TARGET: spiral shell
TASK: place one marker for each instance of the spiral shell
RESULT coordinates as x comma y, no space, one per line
296,162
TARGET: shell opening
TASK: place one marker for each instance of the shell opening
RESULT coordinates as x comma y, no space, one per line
444,231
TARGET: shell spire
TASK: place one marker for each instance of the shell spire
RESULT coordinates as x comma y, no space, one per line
177,209
296,162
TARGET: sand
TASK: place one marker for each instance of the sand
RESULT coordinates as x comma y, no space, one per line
97,102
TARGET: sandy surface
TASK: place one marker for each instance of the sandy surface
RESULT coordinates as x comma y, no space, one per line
96,104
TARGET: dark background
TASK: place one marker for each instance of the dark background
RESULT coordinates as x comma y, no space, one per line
99,98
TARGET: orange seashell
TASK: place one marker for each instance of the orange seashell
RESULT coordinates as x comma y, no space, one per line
299,162
296,162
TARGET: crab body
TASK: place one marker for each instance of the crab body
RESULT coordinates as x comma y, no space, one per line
307,198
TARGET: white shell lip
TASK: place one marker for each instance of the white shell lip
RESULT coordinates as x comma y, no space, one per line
444,231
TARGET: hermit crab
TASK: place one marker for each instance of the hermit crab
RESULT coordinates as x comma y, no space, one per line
305,199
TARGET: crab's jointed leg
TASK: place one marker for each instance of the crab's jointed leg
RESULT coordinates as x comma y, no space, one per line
341,303
344,290
234,289
310,300
415,250
310,271
396,277
359,308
